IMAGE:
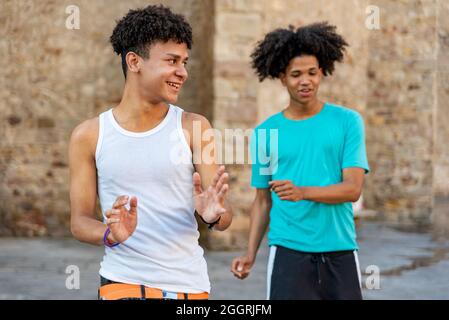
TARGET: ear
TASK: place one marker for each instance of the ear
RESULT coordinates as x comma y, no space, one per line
282,78
133,62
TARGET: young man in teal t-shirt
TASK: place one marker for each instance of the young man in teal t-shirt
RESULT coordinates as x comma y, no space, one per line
309,163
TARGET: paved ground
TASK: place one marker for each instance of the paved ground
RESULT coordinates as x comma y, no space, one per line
412,266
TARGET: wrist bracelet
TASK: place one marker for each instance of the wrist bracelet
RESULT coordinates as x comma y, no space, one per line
212,224
106,241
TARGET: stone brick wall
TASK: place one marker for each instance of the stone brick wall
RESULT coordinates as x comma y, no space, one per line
401,104
52,78
441,165
440,212
242,102
397,77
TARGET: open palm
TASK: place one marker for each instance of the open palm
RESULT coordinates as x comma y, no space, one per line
121,221
209,203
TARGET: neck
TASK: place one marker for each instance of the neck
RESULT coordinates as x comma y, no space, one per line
298,110
135,105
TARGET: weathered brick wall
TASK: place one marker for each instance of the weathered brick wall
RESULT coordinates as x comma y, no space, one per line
238,24
400,110
53,78
242,102
441,119
441,165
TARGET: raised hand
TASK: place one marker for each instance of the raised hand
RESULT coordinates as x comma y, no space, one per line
121,221
209,203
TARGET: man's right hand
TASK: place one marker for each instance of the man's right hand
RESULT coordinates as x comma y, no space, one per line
241,266
122,222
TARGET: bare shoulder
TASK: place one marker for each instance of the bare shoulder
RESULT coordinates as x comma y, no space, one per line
85,135
189,118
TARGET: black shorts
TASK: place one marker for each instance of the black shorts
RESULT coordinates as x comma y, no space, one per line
295,275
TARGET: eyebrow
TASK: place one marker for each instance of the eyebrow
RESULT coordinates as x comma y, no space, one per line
176,56
309,69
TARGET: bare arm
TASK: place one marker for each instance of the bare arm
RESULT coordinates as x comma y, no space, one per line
209,174
83,186
348,190
259,220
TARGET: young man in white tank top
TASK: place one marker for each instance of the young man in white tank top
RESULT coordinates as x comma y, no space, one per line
138,157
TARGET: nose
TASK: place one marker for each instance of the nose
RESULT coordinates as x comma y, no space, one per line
181,72
304,80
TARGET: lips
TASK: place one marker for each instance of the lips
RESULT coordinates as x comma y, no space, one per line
305,92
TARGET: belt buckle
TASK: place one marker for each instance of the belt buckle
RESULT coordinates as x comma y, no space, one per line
169,295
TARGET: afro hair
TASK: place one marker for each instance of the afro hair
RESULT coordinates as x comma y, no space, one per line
142,27
273,54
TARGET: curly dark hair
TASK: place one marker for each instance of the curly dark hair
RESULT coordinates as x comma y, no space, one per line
273,54
141,27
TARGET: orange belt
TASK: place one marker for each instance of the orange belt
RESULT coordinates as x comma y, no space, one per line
116,291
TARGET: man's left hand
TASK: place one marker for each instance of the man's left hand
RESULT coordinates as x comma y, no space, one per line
286,190
209,203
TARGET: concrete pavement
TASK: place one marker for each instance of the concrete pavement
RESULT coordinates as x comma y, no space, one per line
412,266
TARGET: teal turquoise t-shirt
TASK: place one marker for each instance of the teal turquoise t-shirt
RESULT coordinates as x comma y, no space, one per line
309,152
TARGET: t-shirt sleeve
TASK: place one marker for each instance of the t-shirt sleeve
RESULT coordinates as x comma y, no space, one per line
354,153
260,160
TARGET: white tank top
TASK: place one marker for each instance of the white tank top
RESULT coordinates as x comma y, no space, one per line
163,252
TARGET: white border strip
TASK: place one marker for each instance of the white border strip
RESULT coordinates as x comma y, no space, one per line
359,274
270,269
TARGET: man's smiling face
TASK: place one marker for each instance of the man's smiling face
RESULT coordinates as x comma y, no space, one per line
163,74
302,78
